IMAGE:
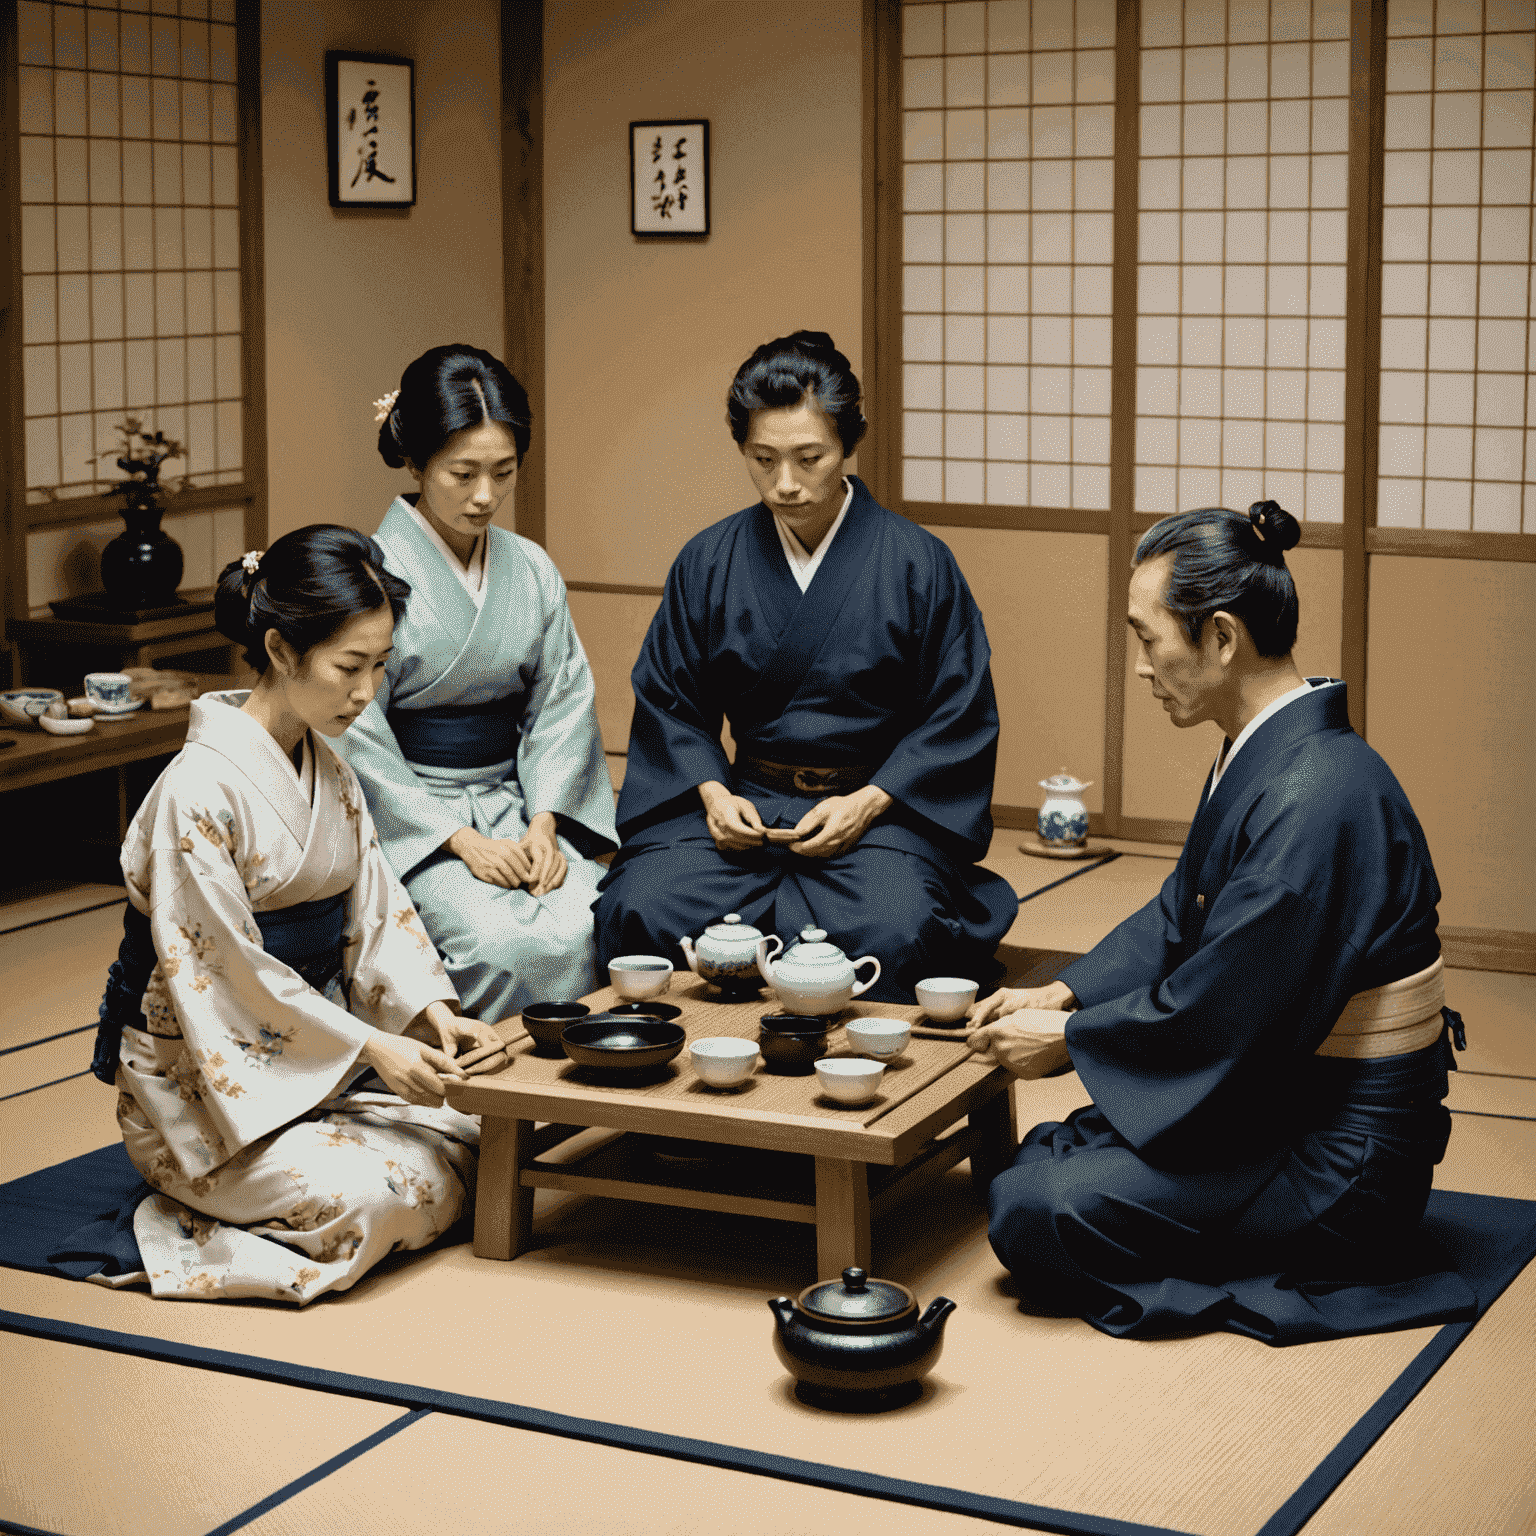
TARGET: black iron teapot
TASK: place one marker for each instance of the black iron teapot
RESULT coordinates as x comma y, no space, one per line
858,1341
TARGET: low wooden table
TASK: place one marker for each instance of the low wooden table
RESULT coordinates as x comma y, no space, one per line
828,1165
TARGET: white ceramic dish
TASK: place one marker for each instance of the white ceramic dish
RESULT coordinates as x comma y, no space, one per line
723,1062
946,997
66,727
849,1079
117,709
23,706
636,977
880,1038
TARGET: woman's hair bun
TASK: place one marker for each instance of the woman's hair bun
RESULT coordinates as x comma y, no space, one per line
1273,531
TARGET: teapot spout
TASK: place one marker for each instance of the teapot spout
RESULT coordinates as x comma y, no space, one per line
686,945
784,1309
932,1321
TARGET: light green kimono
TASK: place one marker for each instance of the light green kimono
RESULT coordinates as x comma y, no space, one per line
502,948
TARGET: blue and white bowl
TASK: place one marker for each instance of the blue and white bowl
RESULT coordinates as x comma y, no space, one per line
26,706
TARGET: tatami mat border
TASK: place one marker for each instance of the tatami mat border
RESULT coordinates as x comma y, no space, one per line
1286,1521
36,1087
1109,858
26,1045
681,1448
58,917
320,1473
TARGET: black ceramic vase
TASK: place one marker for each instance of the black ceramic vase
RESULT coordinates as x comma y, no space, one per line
141,567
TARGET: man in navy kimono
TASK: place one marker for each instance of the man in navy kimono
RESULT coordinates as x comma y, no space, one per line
1265,1041
844,648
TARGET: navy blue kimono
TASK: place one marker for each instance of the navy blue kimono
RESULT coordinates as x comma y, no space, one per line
1225,1174
882,662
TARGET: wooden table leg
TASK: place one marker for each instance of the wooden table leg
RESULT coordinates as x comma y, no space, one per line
842,1216
503,1204
997,1122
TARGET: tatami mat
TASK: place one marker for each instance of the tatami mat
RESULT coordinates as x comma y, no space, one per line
496,1479
53,1124
102,1444
1078,914
49,899
54,973
1500,1012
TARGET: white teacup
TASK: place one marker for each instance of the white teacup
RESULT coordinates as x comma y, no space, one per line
636,977
946,998
880,1038
849,1079
108,690
723,1062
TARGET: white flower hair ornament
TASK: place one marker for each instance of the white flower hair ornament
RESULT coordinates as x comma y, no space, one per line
384,405
251,560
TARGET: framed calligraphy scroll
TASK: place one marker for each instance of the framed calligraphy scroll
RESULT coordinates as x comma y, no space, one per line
669,178
370,116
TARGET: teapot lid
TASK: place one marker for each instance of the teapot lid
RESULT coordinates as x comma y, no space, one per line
813,947
857,1299
733,929
1064,783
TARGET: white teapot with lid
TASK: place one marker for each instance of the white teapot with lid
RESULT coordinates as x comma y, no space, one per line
814,976
726,954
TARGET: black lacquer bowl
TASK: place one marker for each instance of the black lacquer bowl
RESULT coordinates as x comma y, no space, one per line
792,1042
544,1021
616,1044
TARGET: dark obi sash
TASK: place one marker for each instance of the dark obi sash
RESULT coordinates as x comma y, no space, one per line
307,938
459,735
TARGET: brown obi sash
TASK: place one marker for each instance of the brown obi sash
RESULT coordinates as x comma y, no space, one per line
1392,1020
792,779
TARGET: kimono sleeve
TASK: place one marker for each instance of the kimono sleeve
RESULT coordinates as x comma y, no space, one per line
560,761
392,965
943,768
411,822
674,740
1201,1066
259,1045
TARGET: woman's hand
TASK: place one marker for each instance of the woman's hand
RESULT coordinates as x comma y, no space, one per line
409,1068
457,1036
733,820
495,860
546,864
832,826
1006,1000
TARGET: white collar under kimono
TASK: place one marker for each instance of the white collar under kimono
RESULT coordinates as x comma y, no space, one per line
472,576
803,566
1272,708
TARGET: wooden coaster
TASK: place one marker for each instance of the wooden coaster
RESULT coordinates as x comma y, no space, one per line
1093,849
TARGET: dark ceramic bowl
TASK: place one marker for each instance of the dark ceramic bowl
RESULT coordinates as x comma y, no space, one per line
792,1042
544,1021
622,1044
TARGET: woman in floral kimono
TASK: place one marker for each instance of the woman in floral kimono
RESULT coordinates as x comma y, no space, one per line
278,1024
480,756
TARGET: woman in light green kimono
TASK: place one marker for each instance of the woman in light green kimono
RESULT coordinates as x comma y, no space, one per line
480,756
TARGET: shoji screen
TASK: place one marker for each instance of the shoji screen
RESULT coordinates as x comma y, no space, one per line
1007,245
130,237
1244,140
1458,433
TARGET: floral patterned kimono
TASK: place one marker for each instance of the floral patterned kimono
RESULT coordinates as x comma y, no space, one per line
284,1168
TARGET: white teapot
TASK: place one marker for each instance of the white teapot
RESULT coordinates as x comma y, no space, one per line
814,976
726,954
1063,818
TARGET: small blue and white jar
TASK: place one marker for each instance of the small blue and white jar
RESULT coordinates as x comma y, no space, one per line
1063,818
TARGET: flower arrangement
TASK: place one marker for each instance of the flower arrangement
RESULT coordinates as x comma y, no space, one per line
139,457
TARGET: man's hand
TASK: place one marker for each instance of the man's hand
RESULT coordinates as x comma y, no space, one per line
733,820
409,1068
495,860
1006,1000
832,826
1029,1046
546,864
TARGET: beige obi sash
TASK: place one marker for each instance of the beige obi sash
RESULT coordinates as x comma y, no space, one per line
1391,1020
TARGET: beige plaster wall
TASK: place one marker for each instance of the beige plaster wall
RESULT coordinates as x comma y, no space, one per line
1165,768
644,336
1452,708
1042,598
352,296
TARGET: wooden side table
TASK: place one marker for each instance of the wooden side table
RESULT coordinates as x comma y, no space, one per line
57,652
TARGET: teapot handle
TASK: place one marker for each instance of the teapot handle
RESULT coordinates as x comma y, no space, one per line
765,956
864,986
